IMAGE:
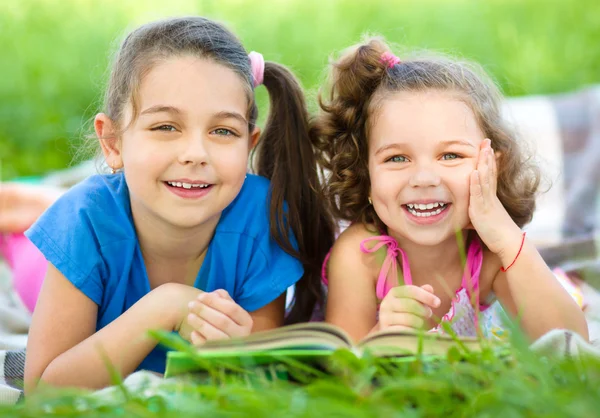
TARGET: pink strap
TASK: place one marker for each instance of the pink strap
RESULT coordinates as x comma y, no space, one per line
257,63
390,264
470,280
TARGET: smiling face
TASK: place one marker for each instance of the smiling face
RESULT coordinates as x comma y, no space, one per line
185,156
423,147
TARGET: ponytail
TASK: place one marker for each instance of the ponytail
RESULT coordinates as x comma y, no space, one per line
286,157
340,130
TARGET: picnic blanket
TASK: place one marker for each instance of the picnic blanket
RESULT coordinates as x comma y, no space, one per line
14,323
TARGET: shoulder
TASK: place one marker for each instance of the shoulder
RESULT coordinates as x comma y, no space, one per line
85,234
347,258
97,194
95,211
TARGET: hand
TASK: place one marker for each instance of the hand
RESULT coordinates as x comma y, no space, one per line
22,204
215,316
488,216
407,307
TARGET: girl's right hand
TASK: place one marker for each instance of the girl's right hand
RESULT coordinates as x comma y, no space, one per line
407,307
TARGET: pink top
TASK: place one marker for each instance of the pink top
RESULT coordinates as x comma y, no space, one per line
469,289
27,264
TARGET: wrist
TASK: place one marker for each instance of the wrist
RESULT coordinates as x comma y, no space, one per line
174,297
511,250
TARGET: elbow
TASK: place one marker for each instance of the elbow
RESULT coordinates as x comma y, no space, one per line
581,327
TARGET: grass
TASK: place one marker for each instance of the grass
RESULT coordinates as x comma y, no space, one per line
57,63
482,385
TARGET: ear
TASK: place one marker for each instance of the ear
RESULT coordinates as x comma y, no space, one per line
254,137
110,143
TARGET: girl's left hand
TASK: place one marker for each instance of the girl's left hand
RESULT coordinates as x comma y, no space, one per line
215,316
488,216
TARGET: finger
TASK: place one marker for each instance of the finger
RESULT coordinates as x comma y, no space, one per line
484,173
197,338
427,287
209,332
227,307
418,294
223,293
475,186
216,319
404,319
394,306
494,171
482,147
400,328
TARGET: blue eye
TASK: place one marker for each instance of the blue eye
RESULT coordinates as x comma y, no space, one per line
165,128
398,159
450,156
224,132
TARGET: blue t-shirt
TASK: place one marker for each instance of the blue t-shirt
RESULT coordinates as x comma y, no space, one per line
89,236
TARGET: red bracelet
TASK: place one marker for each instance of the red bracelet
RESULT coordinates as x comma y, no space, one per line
517,256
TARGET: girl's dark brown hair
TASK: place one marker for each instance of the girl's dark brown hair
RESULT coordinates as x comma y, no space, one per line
360,81
285,152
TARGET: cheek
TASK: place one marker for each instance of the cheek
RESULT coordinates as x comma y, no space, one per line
386,185
230,162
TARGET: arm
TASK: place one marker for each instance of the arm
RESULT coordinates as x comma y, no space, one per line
351,299
528,288
63,348
530,291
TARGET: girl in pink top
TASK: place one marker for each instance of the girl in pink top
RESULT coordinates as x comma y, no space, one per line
437,189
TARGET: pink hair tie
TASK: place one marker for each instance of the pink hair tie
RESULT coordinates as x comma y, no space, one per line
389,59
257,63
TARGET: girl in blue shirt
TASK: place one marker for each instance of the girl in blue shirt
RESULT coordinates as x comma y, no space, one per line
179,237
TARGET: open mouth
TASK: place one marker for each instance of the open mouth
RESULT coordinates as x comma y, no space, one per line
426,210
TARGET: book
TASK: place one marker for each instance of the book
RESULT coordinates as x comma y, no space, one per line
311,342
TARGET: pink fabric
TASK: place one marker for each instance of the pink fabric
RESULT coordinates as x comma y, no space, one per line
28,266
257,63
387,275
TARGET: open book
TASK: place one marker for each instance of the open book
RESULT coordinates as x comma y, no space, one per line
310,342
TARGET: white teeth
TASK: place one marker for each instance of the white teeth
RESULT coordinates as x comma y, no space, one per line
425,214
430,206
187,185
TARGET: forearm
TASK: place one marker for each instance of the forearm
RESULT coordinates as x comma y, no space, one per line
540,300
124,343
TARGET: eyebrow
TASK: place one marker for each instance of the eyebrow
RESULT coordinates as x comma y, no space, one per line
458,142
230,115
443,143
161,109
174,110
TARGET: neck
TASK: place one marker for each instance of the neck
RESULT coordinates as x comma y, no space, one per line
430,263
171,253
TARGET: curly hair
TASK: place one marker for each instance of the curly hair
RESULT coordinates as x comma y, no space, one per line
359,81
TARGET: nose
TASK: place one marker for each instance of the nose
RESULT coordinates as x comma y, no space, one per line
193,150
424,176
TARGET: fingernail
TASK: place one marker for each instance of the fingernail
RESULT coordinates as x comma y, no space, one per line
191,305
438,303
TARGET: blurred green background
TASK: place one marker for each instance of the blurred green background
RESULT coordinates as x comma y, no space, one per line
55,53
